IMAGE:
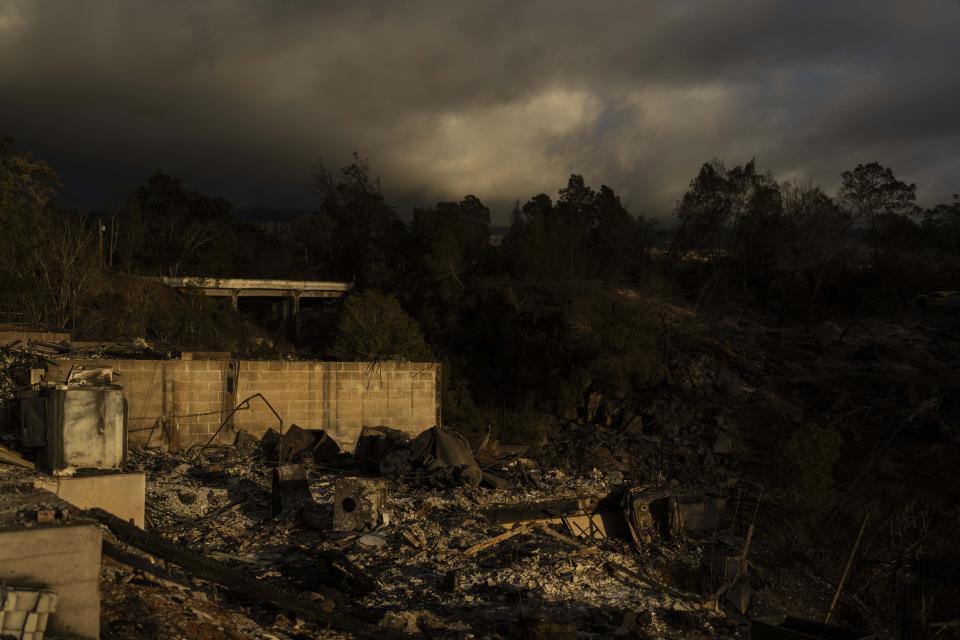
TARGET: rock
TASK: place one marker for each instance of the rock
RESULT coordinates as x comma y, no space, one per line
548,630
403,621
470,476
739,595
372,540
634,425
723,445
451,581
635,623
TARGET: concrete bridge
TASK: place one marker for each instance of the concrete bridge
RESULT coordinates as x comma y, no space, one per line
287,292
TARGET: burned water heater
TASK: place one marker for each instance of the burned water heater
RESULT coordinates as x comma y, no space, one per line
75,427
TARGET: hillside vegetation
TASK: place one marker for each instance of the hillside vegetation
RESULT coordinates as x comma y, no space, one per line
767,334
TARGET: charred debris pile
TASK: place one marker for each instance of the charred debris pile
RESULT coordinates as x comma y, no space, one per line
423,535
712,505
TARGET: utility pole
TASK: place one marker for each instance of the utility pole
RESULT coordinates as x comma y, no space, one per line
101,228
114,234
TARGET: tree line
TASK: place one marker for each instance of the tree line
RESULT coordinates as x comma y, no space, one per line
521,324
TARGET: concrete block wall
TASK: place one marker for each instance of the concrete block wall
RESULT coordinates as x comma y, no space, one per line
12,335
339,397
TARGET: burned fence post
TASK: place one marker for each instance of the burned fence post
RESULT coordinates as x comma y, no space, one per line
910,607
290,487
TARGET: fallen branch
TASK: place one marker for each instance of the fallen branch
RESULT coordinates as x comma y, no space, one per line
267,592
846,569
710,602
556,535
486,544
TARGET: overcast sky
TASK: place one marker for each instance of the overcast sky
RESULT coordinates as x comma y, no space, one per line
502,99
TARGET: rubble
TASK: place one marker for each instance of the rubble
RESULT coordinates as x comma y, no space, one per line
628,521
46,545
791,628
24,612
289,488
213,519
435,458
199,566
440,550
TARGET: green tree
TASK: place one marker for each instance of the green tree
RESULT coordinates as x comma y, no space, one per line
45,257
941,224
365,235
575,215
585,234
809,457
875,197
617,241
816,231
172,230
730,216
27,185
527,248
448,250
704,214
453,236
26,188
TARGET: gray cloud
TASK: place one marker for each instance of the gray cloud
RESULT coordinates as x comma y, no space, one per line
500,99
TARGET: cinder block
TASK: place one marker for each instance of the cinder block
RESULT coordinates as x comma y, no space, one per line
358,503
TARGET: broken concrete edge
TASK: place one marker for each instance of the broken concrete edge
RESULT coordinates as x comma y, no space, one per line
45,543
269,592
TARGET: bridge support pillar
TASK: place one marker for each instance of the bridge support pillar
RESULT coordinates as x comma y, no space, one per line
295,316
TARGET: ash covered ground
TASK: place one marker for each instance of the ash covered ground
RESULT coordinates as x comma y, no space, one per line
401,576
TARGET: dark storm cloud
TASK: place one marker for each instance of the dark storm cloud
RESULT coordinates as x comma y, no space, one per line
501,99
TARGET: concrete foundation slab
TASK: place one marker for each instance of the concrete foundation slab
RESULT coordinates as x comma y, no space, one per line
58,552
121,494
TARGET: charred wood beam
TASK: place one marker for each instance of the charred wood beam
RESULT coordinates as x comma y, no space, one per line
267,592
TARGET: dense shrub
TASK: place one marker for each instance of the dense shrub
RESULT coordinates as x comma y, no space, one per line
374,327
122,308
809,458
